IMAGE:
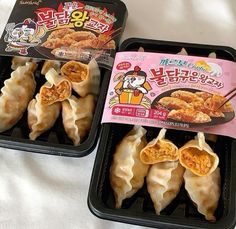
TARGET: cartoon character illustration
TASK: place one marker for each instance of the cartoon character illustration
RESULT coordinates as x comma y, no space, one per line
22,36
213,68
132,86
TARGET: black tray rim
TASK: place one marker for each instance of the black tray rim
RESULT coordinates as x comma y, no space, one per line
131,40
96,206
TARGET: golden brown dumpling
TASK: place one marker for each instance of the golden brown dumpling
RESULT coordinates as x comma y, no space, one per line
197,156
199,106
204,95
77,116
127,172
80,35
41,117
173,103
213,103
60,33
94,43
164,181
186,96
16,94
204,191
189,115
159,150
85,79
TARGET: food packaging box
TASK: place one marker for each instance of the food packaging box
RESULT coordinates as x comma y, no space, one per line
181,212
30,32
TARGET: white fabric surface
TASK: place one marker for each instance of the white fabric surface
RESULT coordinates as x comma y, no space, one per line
41,191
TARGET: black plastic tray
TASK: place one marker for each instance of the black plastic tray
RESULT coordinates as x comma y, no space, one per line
55,140
139,209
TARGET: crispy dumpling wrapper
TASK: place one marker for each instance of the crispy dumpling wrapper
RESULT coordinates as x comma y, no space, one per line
57,43
164,181
199,106
204,192
77,116
189,115
94,43
41,117
48,64
186,96
56,89
214,103
18,90
60,33
159,150
197,156
127,172
85,79
173,103
204,95
80,35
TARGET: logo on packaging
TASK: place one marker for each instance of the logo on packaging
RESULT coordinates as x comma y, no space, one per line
30,2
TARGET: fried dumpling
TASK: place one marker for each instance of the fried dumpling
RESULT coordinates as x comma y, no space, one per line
197,156
80,35
164,181
204,192
57,43
56,89
48,64
41,117
186,96
159,150
213,103
85,79
127,172
16,94
77,116
173,103
189,115
204,95
60,33
199,106
94,43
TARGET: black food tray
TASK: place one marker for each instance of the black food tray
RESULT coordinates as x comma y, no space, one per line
55,140
139,209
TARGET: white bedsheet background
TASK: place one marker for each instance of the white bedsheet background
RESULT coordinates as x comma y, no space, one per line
41,191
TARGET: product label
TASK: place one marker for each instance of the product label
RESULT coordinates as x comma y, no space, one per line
63,30
172,91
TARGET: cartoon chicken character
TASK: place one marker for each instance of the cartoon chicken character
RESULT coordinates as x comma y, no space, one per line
132,87
22,36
